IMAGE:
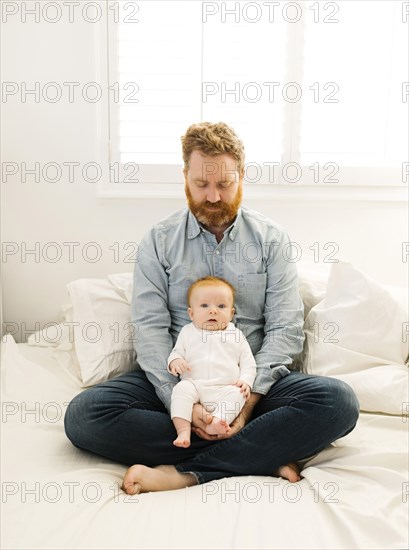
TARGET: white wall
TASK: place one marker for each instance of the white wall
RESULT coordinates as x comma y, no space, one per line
370,235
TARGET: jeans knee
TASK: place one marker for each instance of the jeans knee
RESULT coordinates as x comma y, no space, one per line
74,420
346,404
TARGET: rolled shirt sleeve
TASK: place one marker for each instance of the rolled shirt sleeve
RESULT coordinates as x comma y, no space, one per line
247,363
151,319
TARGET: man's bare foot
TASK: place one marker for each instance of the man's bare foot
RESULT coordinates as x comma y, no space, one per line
141,479
218,426
183,439
290,471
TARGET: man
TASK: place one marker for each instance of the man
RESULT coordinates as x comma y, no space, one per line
289,415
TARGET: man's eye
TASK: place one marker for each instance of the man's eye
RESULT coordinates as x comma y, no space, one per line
225,184
201,185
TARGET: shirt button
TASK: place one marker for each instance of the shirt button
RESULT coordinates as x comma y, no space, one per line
217,252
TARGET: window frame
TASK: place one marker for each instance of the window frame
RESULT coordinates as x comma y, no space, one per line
166,181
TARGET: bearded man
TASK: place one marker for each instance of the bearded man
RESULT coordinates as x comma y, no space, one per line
289,417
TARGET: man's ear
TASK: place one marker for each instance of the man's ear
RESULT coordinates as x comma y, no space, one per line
190,313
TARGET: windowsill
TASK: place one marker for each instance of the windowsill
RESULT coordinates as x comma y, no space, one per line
294,193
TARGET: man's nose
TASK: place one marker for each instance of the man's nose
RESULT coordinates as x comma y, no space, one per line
213,195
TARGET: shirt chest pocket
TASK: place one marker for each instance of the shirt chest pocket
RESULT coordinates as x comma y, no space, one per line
179,280
251,295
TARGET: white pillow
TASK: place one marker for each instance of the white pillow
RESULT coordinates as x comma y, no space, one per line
96,337
103,332
355,334
94,343
123,282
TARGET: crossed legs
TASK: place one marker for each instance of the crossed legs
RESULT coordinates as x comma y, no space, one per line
123,420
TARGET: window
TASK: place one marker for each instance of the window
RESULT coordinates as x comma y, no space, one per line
318,91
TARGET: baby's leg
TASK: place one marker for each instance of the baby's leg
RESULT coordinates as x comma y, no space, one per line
183,429
184,396
226,402
218,426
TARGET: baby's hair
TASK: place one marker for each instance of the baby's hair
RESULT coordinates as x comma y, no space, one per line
209,281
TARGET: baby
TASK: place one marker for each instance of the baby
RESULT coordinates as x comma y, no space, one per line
213,359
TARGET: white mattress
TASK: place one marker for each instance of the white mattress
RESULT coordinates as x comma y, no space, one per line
353,495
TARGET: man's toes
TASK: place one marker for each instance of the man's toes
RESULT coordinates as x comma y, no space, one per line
131,488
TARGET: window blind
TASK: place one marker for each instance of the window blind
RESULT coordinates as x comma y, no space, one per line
191,61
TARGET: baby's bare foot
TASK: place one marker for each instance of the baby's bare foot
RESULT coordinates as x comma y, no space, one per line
141,479
290,471
218,426
183,439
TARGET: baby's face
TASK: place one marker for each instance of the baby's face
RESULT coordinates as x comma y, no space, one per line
211,307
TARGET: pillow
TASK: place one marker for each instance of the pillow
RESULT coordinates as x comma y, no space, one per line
103,332
123,282
96,337
356,334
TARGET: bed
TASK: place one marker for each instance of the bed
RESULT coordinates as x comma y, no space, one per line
354,494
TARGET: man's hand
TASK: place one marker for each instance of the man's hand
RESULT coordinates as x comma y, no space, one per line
199,425
244,388
178,366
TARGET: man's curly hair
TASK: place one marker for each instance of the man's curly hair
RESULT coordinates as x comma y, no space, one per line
212,138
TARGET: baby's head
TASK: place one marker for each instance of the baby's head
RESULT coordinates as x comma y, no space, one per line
210,301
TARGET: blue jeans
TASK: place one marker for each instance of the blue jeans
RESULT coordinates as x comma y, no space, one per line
124,420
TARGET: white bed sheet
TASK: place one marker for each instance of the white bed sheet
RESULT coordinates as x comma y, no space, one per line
354,494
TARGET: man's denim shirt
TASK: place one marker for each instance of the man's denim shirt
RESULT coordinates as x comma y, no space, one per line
254,256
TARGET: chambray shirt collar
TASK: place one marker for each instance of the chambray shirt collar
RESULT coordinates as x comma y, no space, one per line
194,228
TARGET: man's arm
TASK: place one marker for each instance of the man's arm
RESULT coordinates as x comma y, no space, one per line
151,318
284,317
247,409
247,363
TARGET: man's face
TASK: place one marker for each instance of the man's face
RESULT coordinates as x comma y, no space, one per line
213,188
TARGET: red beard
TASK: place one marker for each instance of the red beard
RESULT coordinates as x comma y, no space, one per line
214,214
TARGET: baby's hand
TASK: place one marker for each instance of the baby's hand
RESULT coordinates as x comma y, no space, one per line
178,366
244,388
